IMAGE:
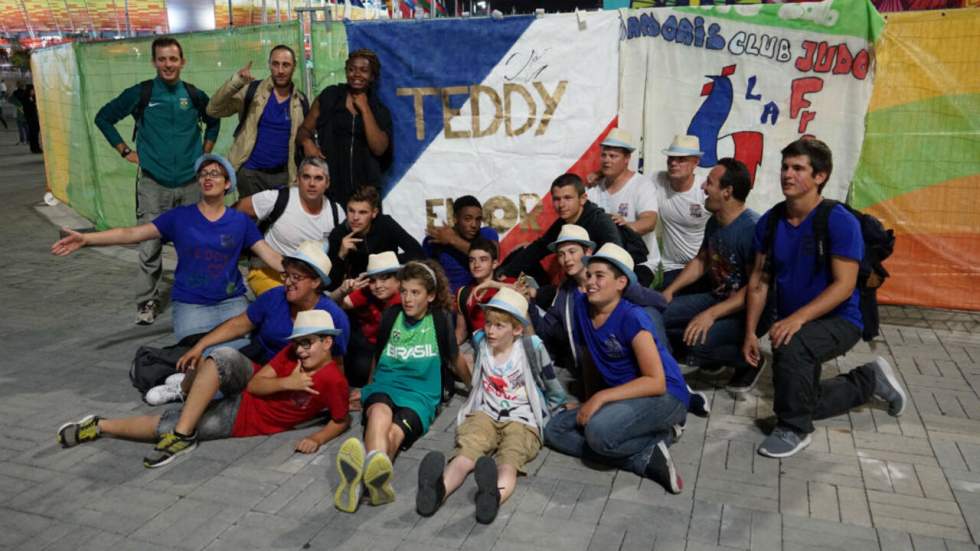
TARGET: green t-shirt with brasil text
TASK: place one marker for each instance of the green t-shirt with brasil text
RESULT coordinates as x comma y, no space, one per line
409,369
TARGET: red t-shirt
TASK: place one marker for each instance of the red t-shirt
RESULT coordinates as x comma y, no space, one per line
475,318
284,410
367,311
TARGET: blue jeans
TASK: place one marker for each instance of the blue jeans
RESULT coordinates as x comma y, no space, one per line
723,345
191,319
621,434
659,330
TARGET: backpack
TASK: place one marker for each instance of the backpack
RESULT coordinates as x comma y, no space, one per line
250,95
879,244
282,199
152,365
444,332
146,90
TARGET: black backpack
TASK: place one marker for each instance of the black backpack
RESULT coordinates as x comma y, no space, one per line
282,199
146,90
444,332
250,95
879,244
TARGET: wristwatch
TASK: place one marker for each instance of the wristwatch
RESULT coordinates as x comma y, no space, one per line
125,151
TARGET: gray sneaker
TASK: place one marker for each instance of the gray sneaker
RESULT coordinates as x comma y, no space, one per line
888,388
783,443
147,312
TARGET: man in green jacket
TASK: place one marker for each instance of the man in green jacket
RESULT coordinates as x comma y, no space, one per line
168,140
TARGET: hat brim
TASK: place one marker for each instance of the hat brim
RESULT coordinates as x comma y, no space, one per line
324,278
630,274
307,331
507,308
380,271
585,243
682,152
618,143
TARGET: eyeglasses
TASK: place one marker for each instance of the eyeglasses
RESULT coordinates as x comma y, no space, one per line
296,278
306,344
216,174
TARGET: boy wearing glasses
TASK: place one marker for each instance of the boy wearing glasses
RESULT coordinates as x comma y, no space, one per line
299,383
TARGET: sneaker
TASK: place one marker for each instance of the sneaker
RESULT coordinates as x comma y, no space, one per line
487,491
888,388
712,370
699,404
745,378
170,447
165,393
676,431
377,479
147,312
783,443
83,430
661,469
350,465
175,380
432,489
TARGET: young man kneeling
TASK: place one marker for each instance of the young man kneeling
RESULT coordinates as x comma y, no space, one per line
635,390
295,386
514,391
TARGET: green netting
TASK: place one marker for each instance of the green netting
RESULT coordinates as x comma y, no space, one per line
329,52
76,80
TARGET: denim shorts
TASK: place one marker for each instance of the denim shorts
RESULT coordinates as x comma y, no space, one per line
191,319
218,420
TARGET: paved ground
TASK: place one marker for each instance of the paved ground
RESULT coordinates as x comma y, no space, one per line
867,482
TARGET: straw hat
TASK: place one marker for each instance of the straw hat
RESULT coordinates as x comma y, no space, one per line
207,157
313,322
611,252
314,254
570,233
618,137
684,146
382,263
509,301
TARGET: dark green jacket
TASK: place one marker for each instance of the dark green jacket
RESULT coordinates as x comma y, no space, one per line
169,139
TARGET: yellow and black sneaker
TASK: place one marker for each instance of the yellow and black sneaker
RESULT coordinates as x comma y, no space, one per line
83,430
377,479
170,447
350,466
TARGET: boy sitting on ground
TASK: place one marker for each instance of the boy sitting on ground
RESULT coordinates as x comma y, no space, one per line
299,383
514,392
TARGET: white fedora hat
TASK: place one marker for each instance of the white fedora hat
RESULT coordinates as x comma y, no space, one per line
313,322
618,137
509,301
571,233
314,253
382,263
611,252
684,146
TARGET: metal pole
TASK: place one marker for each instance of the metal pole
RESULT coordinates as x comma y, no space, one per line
129,25
265,14
278,14
231,21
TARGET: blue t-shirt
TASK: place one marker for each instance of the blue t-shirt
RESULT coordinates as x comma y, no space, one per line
611,345
729,251
207,252
455,263
798,279
271,148
270,315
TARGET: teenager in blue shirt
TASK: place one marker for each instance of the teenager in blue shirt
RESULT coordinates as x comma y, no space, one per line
635,389
208,237
817,311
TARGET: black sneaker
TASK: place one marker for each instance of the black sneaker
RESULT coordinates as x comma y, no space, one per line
487,492
432,490
170,447
83,430
147,312
746,377
698,403
661,469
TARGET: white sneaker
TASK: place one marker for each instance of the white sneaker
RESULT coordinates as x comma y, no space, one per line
164,394
175,379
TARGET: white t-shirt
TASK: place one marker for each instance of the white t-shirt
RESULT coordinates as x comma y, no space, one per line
295,225
504,388
638,195
681,221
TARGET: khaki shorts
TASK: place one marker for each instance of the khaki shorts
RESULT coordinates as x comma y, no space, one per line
516,444
261,279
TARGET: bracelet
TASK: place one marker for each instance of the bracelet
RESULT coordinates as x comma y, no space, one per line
125,151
